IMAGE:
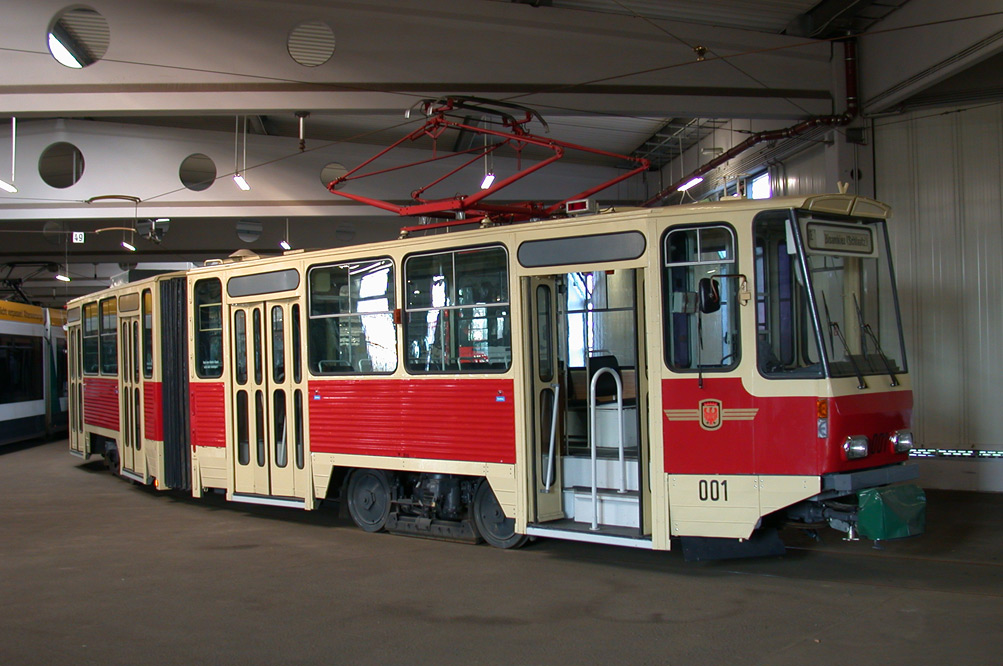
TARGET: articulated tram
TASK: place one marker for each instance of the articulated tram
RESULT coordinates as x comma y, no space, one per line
692,375
33,381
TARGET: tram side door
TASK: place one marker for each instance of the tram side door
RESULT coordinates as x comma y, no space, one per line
544,376
130,398
267,440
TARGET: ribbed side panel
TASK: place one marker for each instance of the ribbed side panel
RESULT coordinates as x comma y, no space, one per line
153,422
440,419
943,176
208,414
101,402
174,390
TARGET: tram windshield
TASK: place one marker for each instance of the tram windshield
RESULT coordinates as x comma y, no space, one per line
830,310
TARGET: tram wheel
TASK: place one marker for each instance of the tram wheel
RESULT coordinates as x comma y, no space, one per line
491,522
369,499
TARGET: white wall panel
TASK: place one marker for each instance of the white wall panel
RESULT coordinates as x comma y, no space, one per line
942,174
805,173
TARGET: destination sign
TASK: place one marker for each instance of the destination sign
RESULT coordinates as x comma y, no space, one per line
840,239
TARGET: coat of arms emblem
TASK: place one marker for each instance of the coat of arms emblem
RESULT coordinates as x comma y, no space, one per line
710,414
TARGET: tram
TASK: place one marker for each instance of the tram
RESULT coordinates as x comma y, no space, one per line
692,376
33,379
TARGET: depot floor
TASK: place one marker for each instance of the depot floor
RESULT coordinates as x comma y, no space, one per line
96,570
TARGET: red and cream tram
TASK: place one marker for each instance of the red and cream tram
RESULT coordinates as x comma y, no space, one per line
691,375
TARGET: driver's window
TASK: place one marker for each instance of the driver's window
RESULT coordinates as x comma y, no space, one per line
697,338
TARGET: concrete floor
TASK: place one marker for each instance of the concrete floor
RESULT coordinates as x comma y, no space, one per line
95,570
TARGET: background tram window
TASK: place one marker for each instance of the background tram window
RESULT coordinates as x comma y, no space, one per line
457,312
209,328
694,340
91,341
109,336
20,368
351,327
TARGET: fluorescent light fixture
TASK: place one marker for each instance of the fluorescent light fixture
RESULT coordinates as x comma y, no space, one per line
61,53
62,278
691,183
4,185
284,244
128,246
241,183
488,179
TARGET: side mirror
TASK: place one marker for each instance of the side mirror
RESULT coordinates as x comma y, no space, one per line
709,296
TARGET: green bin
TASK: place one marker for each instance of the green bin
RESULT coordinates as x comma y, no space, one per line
891,512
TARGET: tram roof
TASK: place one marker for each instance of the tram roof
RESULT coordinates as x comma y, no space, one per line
843,204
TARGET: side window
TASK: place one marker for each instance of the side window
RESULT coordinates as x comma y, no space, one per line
351,325
209,328
108,333
91,342
147,334
785,335
698,258
457,315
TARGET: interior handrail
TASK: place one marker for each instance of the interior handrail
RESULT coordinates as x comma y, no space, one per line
592,439
549,479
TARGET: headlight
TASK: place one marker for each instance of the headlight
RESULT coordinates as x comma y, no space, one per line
902,441
855,447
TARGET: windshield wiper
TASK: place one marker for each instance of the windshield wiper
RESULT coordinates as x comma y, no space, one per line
866,329
834,327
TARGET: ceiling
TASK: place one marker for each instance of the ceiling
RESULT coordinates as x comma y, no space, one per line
634,77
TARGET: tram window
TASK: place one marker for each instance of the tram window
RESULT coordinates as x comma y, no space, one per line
281,427
297,346
92,344
457,317
240,346
785,335
20,368
147,334
700,341
256,345
209,328
259,426
109,340
278,345
135,352
298,410
544,349
351,326
243,439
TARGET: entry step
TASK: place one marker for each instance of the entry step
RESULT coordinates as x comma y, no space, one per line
612,506
577,471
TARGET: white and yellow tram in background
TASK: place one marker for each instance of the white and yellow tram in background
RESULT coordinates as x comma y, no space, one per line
33,381
700,372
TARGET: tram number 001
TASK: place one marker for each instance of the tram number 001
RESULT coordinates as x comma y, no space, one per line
713,491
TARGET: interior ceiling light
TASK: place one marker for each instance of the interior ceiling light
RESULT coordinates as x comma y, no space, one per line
690,183
128,246
284,243
13,153
62,54
63,278
238,176
489,178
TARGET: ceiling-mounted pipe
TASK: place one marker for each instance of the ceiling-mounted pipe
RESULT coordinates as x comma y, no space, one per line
850,62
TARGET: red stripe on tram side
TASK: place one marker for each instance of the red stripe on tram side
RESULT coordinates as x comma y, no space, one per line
101,402
208,413
153,411
439,419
